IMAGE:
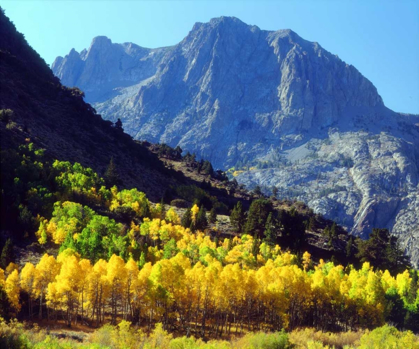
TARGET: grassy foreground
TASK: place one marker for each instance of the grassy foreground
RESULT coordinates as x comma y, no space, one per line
123,336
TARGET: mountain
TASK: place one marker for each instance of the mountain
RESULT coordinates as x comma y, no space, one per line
275,109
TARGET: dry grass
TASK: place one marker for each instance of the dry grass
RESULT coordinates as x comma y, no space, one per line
310,338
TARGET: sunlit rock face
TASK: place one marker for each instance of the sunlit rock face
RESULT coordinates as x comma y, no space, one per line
238,95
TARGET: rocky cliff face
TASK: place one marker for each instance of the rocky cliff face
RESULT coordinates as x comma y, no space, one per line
301,118
105,67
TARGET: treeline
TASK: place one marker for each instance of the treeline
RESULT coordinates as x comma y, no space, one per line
190,160
211,299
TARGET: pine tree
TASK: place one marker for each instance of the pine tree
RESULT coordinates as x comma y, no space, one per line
270,235
349,247
237,217
311,223
4,304
7,254
162,209
413,289
255,247
186,220
383,251
333,232
257,216
111,175
257,191
118,125
213,216
201,222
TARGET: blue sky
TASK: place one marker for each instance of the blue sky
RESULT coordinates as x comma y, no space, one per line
380,38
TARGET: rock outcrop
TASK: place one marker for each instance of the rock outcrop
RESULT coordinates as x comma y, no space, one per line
302,119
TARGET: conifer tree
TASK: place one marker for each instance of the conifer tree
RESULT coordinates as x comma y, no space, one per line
270,234
257,216
349,245
111,175
257,191
413,288
201,221
213,216
237,217
118,125
7,254
186,220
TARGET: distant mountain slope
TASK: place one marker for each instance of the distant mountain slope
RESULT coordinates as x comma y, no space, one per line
56,118
301,118
227,83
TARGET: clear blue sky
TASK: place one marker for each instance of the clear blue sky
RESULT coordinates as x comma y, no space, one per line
380,38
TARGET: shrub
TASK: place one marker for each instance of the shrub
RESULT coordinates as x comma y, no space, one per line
387,337
179,203
310,338
261,340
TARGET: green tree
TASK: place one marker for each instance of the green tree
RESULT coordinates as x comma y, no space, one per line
275,191
413,288
312,223
333,231
257,191
213,216
186,220
118,125
111,176
292,229
270,230
383,251
162,209
201,222
349,246
207,168
7,254
237,217
170,249
257,216
4,304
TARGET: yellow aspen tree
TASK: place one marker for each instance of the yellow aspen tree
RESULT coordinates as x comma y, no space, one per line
41,233
306,260
403,283
388,281
98,289
132,276
11,268
12,289
139,292
28,277
116,275
47,269
209,296
53,299
194,212
85,269
172,217
67,286
374,296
